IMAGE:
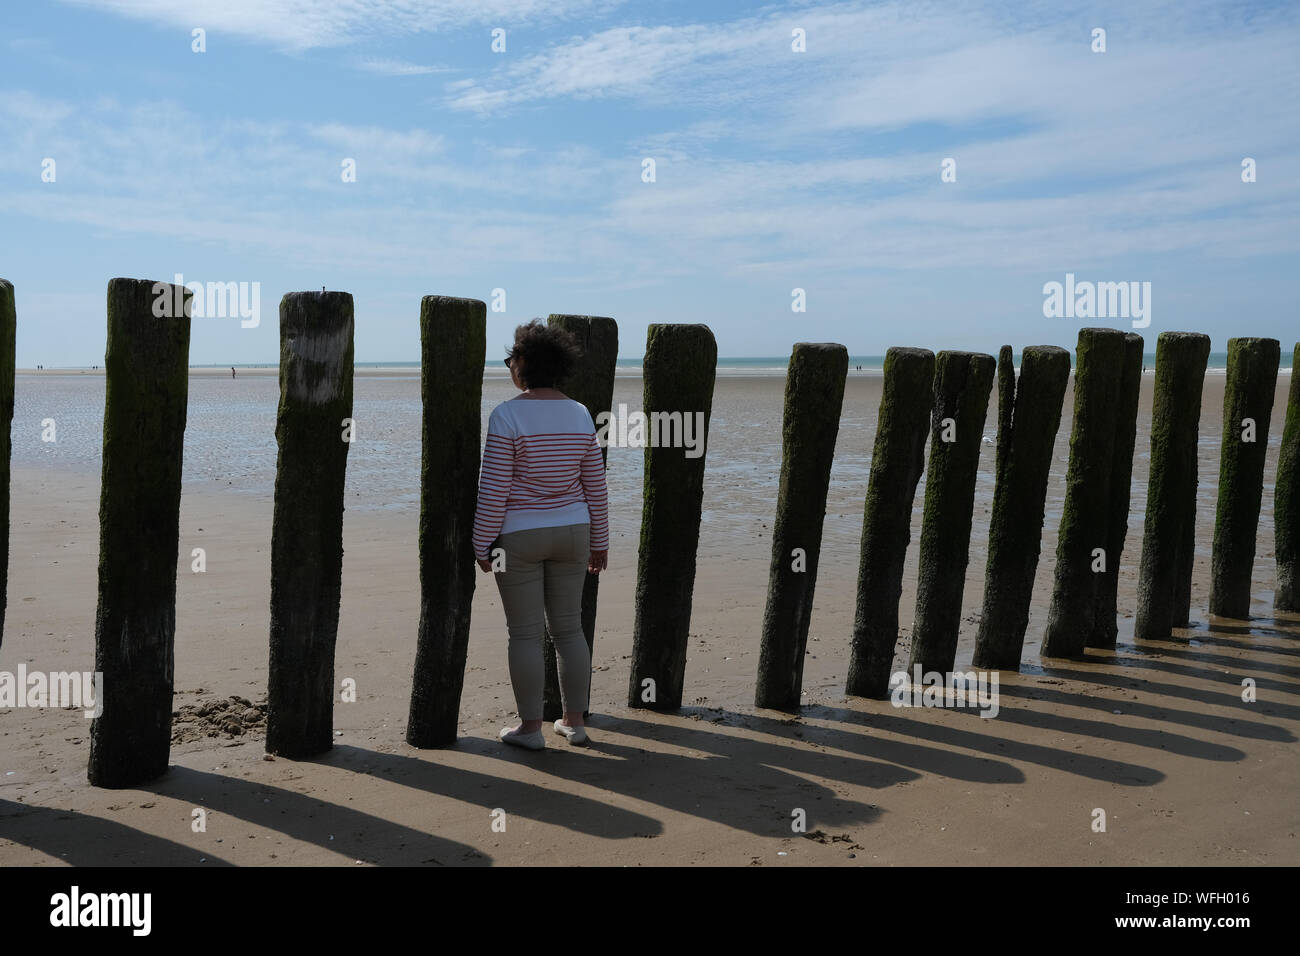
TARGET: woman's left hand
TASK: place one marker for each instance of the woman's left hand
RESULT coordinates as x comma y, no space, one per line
484,564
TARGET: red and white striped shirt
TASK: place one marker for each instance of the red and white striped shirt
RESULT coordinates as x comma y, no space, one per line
542,468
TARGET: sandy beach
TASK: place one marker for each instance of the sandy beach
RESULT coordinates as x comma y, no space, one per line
1158,736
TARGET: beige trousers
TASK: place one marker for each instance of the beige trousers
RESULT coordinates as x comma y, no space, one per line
542,585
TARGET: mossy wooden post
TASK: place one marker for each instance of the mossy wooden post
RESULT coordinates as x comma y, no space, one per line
1247,407
146,388
962,383
897,458
592,384
1168,532
679,368
453,346
1082,539
1029,415
1105,623
8,338
814,398
1286,501
313,430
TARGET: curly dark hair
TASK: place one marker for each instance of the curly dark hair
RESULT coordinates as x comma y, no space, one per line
547,353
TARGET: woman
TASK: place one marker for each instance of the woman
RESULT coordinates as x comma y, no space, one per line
543,503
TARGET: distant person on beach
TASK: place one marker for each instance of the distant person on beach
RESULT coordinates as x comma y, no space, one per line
543,502
232,371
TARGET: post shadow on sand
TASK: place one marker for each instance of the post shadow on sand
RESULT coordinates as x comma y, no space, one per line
307,818
517,797
710,787
1118,732
81,839
922,756
1215,675
1192,655
1214,633
663,779
1120,679
1194,719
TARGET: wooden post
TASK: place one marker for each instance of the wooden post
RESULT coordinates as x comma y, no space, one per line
453,346
1168,534
313,429
8,340
679,367
1029,415
1081,543
962,382
1105,624
146,386
898,455
592,384
814,398
1286,501
1247,406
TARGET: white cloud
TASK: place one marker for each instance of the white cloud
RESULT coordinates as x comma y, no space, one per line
1066,159
302,24
385,66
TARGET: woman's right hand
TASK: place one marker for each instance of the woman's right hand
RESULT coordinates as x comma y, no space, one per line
598,561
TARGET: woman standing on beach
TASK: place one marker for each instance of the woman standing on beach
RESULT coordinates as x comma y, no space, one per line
542,500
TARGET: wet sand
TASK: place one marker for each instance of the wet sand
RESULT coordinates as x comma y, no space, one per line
1157,736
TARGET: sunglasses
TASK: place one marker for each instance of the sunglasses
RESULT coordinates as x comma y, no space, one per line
508,360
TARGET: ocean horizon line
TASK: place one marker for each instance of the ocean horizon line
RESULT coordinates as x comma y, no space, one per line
1216,361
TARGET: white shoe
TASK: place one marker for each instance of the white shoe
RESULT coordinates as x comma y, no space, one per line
533,741
577,735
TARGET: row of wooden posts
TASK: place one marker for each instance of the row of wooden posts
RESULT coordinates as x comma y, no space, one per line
940,398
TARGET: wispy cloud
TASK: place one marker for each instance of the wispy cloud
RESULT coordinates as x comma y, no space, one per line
774,168
303,24
385,66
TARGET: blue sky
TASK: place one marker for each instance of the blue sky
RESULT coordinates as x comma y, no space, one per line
775,170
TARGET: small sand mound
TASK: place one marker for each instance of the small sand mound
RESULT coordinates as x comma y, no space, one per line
229,718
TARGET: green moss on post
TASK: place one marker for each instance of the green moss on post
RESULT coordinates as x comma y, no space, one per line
962,383
146,388
1286,501
814,398
679,368
1098,373
1168,534
316,352
8,338
1029,415
1105,623
592,384
453,346
1247,406
897,458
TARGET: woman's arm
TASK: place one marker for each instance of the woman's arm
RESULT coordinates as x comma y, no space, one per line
596,491
493,484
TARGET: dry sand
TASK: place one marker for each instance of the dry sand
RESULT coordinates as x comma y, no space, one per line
1157,736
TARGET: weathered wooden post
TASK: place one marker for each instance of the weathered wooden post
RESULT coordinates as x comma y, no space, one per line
1105,623
1081,543
8,340
962,382
814,398
146,388
453,347
1247,406
592,384
679,367
1286,501
1029,415
1165,572
313,429
898,455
